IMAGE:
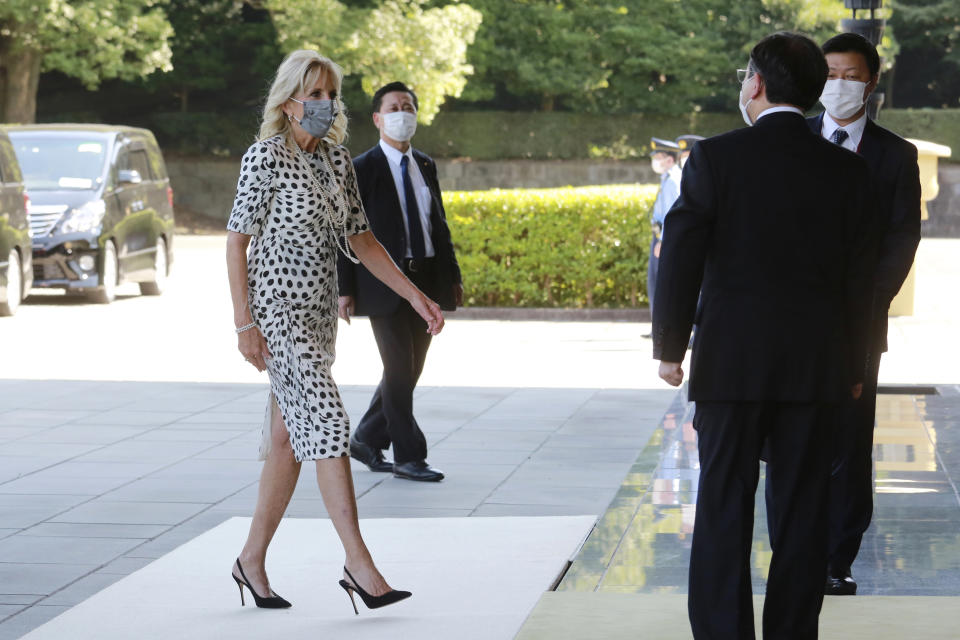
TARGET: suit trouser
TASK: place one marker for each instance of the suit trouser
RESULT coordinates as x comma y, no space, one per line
403,341
851,478
730,437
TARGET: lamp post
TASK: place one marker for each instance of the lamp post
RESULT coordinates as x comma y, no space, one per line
872,29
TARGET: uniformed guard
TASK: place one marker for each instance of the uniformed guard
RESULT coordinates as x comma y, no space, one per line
686,142
665,159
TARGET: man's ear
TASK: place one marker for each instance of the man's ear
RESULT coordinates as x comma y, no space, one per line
376,119
759,87
872,85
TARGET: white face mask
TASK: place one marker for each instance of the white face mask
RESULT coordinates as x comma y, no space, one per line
743,106
399,125
843,98
657,165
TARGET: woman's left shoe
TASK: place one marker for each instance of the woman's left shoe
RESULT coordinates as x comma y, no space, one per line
372,602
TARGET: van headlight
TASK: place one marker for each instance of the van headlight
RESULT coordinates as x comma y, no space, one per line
85,217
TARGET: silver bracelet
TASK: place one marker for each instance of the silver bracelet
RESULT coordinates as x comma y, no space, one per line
246,327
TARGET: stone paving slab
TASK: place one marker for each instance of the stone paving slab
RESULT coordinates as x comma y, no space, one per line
89,495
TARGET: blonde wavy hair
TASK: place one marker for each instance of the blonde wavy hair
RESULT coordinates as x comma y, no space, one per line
299,72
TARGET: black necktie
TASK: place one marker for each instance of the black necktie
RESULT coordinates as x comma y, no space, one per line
413,212
839,136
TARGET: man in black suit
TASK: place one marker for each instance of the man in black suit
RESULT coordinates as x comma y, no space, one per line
771,222
854,69
401,195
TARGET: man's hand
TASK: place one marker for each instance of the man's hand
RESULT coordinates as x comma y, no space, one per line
671,372
656,250
458,295
345,307
856,390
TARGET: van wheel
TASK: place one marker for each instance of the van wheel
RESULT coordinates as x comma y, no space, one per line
159,282
14,285
108,276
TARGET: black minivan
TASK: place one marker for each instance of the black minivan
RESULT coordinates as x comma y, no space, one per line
16,273
101,207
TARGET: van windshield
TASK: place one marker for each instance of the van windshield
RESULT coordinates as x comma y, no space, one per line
55,161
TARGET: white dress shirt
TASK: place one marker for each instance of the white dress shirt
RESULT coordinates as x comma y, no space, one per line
420,190
767,112
854,130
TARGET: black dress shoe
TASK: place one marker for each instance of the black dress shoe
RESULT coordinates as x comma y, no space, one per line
369,456
840,583
418,470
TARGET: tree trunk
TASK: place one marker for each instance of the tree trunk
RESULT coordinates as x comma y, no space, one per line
184,99
18,88
888,101
547,102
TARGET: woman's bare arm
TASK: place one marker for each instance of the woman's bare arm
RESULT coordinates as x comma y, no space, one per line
375,258
250,342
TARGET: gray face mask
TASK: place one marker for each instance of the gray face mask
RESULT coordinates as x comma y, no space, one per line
318,116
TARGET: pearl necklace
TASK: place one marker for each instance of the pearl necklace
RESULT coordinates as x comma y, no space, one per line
336,215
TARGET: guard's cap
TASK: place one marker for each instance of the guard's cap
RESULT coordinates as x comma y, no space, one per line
686,140
660,145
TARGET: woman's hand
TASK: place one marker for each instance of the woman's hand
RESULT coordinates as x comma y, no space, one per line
254,348
375,258
429,311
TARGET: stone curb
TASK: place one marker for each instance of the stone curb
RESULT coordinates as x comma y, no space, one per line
550,315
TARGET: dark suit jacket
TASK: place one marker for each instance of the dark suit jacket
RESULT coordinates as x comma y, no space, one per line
382,205
895,191
771,221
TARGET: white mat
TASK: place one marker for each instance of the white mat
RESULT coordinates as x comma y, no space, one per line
470,577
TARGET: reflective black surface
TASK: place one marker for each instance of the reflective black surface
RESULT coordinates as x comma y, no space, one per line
642,542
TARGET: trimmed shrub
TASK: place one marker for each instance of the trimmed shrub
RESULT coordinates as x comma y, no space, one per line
572,247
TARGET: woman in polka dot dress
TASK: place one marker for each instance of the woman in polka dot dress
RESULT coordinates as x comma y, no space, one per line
296,206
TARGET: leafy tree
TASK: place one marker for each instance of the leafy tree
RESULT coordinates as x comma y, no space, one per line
217,44
426,47
540,50
91,40
628,55
927,71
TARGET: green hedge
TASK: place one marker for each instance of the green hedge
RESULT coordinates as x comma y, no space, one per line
941,126
497,135
571,247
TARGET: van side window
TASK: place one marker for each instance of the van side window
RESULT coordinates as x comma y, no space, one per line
156,163
123,161
140,162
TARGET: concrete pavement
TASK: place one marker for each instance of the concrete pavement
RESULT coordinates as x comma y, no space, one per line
130,429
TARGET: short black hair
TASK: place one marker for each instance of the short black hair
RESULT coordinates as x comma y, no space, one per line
390,88
792,67
855,43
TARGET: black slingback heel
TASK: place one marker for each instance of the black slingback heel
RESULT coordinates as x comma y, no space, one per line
272,602
372,602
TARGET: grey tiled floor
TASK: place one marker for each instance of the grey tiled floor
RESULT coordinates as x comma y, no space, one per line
97,479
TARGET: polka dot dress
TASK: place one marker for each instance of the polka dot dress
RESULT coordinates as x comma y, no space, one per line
292,283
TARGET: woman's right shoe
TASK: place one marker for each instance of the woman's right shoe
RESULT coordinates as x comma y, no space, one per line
372,602
272,602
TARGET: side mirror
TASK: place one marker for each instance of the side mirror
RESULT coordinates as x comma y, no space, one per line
129,176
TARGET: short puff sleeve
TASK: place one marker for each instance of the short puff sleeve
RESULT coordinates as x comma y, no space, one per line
356,221
254,190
